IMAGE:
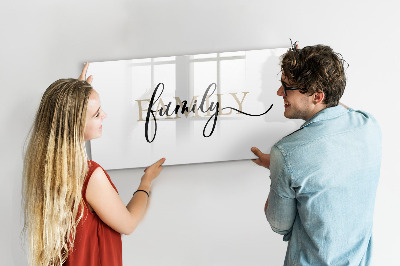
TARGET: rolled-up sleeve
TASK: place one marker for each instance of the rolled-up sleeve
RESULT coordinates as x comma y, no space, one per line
281,210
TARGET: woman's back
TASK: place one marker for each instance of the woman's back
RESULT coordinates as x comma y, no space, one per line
95,242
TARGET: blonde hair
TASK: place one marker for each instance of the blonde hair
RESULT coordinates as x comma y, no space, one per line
55,167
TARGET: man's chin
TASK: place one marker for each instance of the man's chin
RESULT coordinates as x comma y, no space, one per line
287,115
290,116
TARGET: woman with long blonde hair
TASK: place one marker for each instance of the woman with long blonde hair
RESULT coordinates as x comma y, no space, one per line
73,213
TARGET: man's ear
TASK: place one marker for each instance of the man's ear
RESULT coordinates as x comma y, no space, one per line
318,97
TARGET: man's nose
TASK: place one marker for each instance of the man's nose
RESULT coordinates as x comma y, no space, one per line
280,91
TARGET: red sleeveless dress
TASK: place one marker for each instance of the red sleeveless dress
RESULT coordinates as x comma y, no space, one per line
95,242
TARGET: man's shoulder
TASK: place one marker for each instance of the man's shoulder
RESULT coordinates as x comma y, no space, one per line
292,142
365,116
319,129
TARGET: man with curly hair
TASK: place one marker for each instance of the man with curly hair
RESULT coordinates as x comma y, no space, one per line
324,175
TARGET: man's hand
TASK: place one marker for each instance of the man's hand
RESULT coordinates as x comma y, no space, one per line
263,158
83,74
345,106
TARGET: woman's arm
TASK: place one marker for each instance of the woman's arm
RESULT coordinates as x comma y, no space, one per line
108,205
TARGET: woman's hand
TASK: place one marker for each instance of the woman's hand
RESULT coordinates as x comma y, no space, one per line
83,74
151,172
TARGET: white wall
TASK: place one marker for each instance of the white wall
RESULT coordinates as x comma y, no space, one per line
204,214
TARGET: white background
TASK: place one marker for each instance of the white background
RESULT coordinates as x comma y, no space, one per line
203,214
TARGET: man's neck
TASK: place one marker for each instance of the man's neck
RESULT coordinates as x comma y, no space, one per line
318,108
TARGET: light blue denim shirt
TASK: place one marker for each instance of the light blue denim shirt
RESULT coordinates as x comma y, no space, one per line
324,178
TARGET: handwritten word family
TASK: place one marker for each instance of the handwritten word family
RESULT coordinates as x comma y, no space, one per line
157,107
188,110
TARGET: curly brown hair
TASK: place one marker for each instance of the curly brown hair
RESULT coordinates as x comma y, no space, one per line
316,69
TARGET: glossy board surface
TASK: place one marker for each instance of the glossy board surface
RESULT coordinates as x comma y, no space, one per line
190,108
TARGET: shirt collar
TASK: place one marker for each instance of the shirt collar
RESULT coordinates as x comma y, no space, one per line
325,114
